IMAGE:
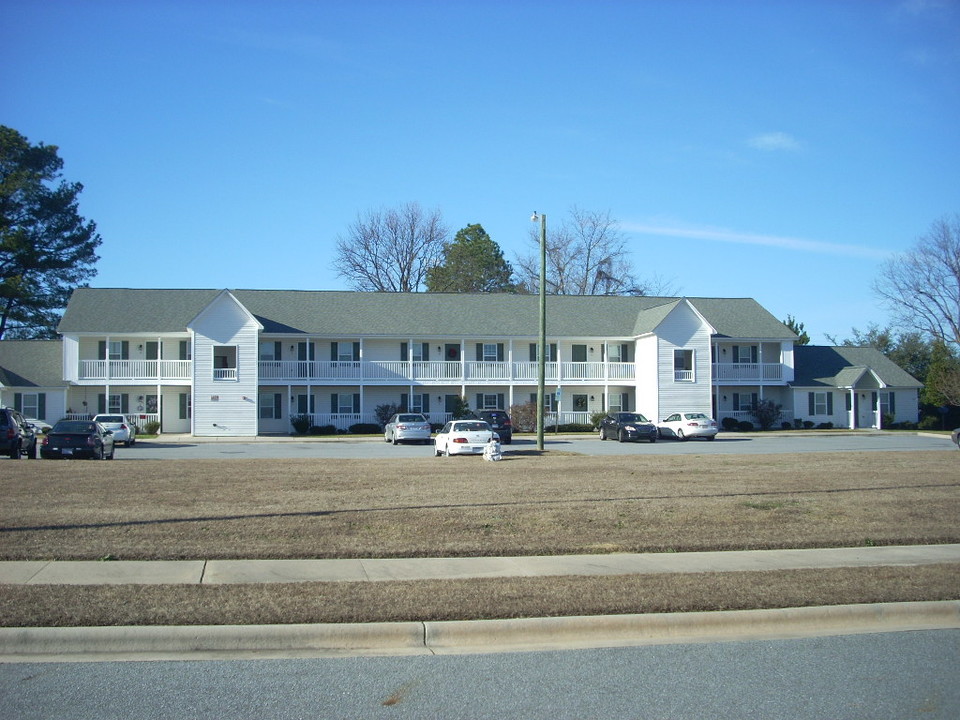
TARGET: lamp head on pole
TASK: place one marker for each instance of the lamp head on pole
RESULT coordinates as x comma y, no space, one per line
534,217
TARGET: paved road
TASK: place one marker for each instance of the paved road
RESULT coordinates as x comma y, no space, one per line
189,448
891,675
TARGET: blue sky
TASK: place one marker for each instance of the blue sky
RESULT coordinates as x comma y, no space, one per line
775,150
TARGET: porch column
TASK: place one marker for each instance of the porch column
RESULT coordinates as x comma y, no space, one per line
853,409
159,409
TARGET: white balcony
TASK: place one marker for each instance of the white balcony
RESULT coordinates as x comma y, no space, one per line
748,372
135,370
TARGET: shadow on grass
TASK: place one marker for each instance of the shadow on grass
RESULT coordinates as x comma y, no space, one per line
459,506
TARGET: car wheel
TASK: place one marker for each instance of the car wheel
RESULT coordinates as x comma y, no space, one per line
622,437
653,438
133,441
446,450
395,441
711,437
436,451
33,452
386,438
98,455
603,435
113,451
680,436
15,452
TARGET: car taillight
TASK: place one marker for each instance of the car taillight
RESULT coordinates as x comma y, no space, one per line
123,426
10,434
45,441
460,440
91,441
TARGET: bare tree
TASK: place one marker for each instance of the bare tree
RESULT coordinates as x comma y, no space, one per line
922,287
586,255
391,250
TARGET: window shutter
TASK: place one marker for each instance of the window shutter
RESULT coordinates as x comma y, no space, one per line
736,353
333,351
847,404
893,403
426,351
125,403
277,350
499,352
479,352
356,356
425,403
125,350
404,402
810,404
101,403
500,404
533,352
404,352
479,405
102,350
183,356
356,399
753,354
277,409
18,402
829,403
42,406
334,407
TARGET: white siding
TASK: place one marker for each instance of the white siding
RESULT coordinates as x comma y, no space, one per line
683,329
225,408
648,387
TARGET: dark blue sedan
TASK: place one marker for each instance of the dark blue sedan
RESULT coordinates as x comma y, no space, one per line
624,426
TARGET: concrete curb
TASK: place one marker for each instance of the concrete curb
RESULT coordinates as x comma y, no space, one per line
461,637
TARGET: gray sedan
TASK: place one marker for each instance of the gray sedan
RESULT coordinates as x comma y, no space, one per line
404,427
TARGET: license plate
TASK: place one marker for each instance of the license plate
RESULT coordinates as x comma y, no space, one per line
67,451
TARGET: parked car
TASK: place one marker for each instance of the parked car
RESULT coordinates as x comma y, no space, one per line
500,422
955,436
123,430
407,426
80,439
463,437
17,436
686,425
626,426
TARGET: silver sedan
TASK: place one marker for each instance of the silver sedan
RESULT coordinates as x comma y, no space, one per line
404,427
685,425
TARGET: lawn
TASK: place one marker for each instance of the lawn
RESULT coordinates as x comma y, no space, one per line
528,504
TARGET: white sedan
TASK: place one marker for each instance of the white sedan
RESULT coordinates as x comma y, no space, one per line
123,431
687,425
463,437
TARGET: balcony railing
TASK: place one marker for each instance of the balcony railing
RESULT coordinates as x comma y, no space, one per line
135,370
439,371
747,372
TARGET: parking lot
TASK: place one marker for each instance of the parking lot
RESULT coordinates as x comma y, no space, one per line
185,447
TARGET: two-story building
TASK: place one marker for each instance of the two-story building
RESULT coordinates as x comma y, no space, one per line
246,362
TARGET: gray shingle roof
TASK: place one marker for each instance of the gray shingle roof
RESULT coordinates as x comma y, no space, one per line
31,363
348,314
819,366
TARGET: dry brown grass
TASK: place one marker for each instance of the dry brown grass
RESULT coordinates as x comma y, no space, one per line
528,504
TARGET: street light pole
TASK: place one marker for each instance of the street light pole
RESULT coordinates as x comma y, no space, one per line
542,344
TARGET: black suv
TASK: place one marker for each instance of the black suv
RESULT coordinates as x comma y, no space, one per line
17,436
500,422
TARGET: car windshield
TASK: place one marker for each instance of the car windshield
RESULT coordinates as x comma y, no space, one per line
74,426
109,418
471,427
632,417
411,418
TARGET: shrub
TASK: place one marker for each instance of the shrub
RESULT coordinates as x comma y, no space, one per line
596,419
745,426
365,429
929,422
383,413
301,423
808,424
323,430
524,417
766,413
576,428
786,426
461,409
825,426
151,428
729,424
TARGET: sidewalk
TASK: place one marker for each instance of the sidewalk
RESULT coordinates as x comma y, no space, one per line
217,642
225,572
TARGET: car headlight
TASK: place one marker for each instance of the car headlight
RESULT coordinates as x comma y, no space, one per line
631,428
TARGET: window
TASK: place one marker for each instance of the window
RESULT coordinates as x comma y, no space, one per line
270,406
888,405
820,403
490,401
578,353
683,365
30,405
345,403
270,351
305,404
116,350
345,351
580,403
619,402
225,362
744,402
745,354
490,352
618,352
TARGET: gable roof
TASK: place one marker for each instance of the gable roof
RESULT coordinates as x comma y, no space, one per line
31,363
843,367
336,313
